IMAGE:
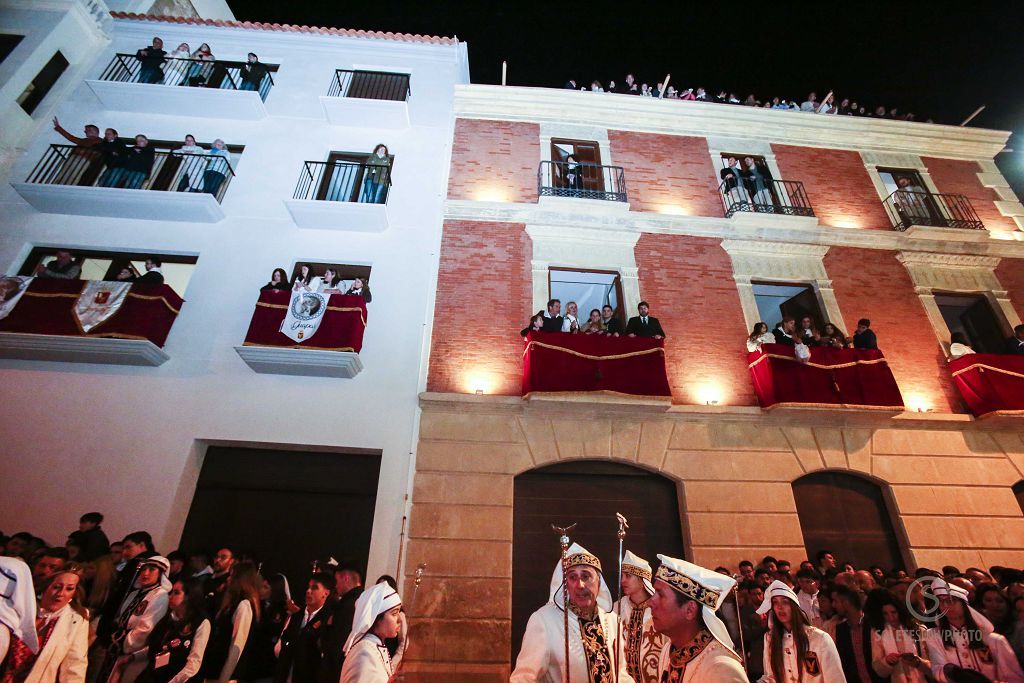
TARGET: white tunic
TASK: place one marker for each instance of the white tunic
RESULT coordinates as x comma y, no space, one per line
715,664
821,664
542,657
146,614
898,641
368,662
997,662
651,642
65,655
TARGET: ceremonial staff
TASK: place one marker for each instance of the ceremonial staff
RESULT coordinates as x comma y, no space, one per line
618,603
405,643
739,620
563,541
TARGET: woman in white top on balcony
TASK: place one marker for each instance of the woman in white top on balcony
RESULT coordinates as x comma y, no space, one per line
759,335
183,51
959,346
571,321
188,157
201,68
328,284
217,167
304,279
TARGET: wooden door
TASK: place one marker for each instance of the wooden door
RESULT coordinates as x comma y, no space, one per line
588,493
587,153
803,304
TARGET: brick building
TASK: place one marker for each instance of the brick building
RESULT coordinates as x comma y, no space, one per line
922,485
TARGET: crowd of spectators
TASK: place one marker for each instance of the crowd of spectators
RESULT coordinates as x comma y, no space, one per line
830,104
600,321
200,69
91,611
330,282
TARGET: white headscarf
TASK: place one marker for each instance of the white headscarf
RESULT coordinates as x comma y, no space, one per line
369,606
578,555
942,588
18,601
639,567
708,588
161,563
777,589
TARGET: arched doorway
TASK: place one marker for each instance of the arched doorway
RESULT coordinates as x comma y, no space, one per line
848,515
588,493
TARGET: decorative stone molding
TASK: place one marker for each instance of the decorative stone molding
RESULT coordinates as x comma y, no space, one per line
1007,203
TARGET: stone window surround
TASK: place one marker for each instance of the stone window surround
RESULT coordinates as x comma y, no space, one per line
569,131
786,264
718,146
958,274
872,160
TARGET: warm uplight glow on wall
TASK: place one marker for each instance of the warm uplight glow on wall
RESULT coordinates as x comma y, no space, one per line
918,403
1016,236
710,394
479,383
673,210
491,194
846,222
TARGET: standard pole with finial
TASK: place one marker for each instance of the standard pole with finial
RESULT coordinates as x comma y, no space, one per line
739,619
563,541
418,574
621,534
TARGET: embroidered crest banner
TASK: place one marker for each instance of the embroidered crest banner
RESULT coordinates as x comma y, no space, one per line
99,301
11,289
305,311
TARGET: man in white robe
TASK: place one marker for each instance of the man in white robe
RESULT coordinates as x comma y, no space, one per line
642,644
683,608
594,646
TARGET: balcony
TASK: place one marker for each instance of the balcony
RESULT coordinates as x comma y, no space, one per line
79,181
341,195
368,99
992,385
45,324
926,214
581,181
207,89
331,350
777,197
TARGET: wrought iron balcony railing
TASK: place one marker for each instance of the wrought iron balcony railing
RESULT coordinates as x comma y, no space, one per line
582,181
171,171
911,207
783,197
344,181
370,85
218,73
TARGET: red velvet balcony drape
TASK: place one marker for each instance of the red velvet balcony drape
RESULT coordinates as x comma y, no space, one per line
47,307
340,330
572,363
841,378
990,383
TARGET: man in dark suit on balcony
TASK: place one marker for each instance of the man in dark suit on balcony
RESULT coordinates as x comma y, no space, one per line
612,324
153,275
552,317
1015,344
644,325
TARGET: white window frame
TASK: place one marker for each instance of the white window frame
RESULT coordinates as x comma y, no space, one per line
872,160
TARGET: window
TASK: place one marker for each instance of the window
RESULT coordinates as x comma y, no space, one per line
105,265
972,316
891,178
776,301
41,84
584,152
588,288
344,179
8,41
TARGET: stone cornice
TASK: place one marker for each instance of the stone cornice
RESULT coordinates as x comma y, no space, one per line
643,114
776,230
773,248
948,260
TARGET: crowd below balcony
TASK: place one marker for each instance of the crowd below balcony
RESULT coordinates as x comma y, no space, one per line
831,104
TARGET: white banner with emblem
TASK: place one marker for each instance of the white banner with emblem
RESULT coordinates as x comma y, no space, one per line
99,301
11,289
305,311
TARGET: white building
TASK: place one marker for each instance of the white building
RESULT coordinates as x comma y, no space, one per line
130,441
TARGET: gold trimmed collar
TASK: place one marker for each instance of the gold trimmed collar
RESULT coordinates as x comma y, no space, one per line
688,587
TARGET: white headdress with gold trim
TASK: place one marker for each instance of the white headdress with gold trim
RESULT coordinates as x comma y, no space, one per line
706,587
576,556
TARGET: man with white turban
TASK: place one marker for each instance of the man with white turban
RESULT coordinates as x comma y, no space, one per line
683,608
594,645
643,645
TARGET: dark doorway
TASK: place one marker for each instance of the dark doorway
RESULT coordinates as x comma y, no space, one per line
972,316
776,301
849,516
588,493
8,41
41,84
586,153
285,508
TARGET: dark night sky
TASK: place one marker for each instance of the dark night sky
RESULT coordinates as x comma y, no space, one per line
937,63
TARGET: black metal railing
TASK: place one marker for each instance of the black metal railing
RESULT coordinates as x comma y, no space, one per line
370,85
783,197
344,181
910,207
171,171
583,181
217,73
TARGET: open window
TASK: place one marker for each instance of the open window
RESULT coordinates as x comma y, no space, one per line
590,289
972,316
345,179
577,164
43,82
107,265
777,301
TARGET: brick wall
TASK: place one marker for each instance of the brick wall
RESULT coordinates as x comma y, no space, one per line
837,184
667,173
688,282
1011,276
483,300
872,284
494,161
956,176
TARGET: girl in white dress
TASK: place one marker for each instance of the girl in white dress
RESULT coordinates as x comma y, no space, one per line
377,618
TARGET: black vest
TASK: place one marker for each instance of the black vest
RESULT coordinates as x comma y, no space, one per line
219,644
173,638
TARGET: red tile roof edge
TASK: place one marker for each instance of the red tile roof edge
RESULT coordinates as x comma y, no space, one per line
289,28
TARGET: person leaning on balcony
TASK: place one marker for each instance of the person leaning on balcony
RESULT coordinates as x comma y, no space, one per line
758,336
154,275
303,278
644,325
278,281
63,267
137,163
758,180
785,332
594,325
253,73
183,51
112,152
864,337
188,156
959,345
84,163
536,324
1015,344
572,176
831,336
150,60
731,174
216,167
201,68
377,176
612,325
553,316
360,288
571,321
